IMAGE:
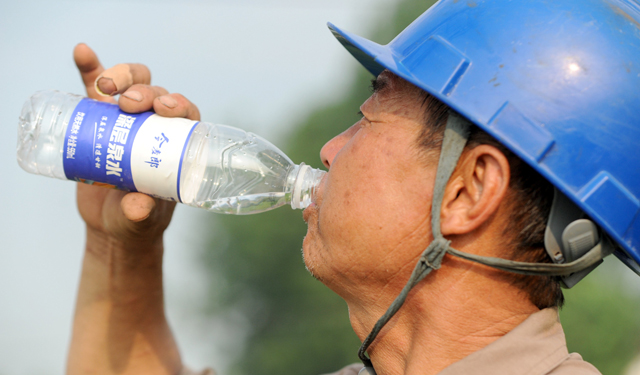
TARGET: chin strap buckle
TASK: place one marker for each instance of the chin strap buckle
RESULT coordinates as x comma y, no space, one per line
570,235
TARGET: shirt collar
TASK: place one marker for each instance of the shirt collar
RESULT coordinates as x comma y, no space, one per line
536,346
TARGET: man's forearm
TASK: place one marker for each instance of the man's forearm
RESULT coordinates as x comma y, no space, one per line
119,325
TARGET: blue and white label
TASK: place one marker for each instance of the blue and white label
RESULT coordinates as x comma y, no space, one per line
133,152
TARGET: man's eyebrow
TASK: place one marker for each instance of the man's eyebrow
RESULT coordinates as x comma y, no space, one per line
378,84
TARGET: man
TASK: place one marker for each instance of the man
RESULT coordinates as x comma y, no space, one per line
501,231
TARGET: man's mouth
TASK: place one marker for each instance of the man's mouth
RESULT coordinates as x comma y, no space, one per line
307,212
316,202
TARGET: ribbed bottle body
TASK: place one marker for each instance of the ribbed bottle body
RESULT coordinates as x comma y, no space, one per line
42,126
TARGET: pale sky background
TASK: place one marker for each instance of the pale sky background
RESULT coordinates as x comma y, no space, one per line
256,64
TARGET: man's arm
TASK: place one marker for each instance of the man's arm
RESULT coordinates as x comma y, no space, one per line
119,325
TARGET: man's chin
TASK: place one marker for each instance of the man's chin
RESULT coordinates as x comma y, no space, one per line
308,256
313,271
306,213
312,247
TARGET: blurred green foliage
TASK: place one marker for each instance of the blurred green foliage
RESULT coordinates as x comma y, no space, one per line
601,317
298,326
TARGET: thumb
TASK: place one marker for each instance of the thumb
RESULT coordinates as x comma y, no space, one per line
137,206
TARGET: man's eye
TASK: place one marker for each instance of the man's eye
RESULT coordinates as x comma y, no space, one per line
360,114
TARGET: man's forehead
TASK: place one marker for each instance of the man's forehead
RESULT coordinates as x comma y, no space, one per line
379,83
387,82
383,81
395,96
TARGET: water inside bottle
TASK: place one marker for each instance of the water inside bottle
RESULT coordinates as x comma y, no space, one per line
231,171
245,204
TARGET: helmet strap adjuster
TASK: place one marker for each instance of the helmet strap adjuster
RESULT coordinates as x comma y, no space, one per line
570,235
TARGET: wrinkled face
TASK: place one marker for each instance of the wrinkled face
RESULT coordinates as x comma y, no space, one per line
372,217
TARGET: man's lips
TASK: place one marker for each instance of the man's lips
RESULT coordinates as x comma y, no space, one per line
313,207
307,212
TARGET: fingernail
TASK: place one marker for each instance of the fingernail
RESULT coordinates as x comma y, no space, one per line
168,101
133,95
105,86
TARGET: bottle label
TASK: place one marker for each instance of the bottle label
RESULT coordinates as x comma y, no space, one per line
134,152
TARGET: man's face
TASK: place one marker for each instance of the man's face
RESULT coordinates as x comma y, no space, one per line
372,217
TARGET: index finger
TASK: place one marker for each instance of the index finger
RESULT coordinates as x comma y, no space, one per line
119,78
90,68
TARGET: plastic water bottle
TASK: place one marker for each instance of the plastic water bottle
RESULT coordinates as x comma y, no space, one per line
216,167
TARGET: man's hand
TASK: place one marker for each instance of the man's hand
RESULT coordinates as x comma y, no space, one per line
119,325
126,217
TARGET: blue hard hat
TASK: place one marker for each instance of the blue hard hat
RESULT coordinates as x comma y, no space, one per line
557,82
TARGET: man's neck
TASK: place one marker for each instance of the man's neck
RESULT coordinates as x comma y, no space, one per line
442,321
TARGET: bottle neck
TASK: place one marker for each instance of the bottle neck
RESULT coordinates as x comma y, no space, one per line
303,182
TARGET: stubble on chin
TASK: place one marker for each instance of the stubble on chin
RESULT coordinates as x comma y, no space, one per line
312,268
311,247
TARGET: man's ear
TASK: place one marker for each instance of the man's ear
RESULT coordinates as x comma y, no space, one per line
477,187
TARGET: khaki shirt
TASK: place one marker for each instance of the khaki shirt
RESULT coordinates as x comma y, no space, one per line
536,347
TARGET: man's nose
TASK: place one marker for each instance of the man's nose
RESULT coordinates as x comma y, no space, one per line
331,148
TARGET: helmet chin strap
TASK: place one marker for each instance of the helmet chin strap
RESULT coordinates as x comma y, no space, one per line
455,138
453,142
